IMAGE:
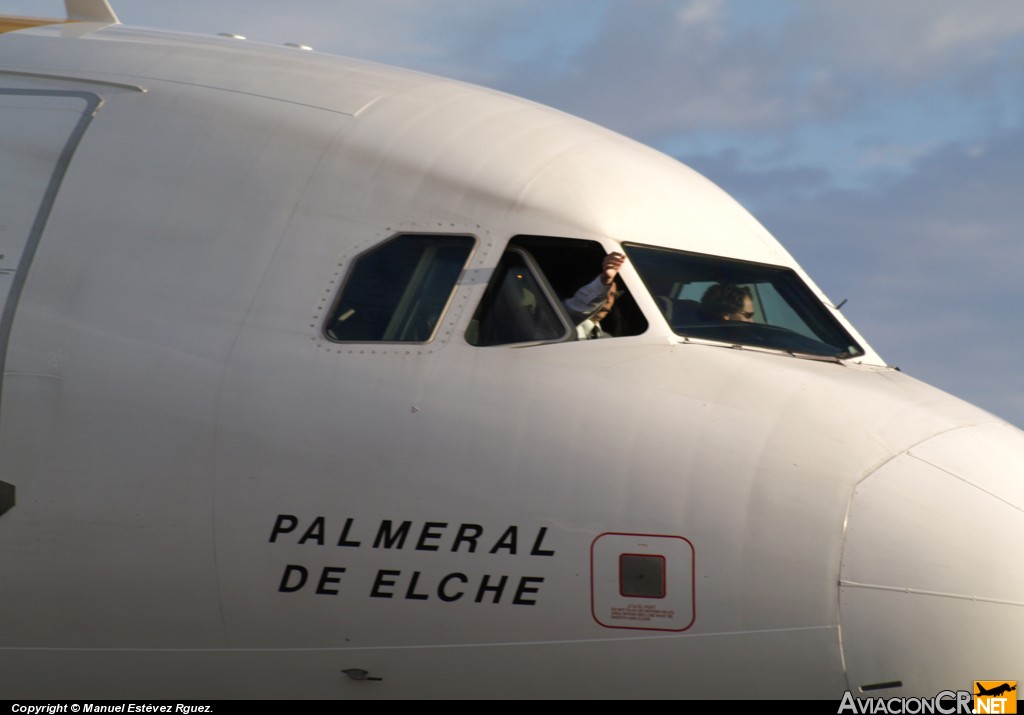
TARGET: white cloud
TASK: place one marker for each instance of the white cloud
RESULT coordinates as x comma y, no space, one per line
907,41
700,13
891,154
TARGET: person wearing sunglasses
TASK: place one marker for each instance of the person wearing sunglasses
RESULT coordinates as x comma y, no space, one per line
727,301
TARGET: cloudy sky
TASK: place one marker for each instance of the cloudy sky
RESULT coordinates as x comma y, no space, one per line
882,142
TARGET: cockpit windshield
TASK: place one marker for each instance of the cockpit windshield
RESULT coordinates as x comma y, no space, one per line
740,303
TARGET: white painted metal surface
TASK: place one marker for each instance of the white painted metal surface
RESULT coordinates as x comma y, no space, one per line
211,494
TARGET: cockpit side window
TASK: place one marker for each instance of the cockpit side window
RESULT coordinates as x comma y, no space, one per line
516,307
571,263
533,289
398,291
740,303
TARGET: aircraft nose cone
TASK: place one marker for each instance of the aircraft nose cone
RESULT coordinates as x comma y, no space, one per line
932,578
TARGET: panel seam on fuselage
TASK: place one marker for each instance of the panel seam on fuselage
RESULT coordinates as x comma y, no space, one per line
923,592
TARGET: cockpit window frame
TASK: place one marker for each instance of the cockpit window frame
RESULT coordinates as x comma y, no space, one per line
332,316
563,268
795,295
547,295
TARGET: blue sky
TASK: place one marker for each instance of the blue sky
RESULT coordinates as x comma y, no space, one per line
882,143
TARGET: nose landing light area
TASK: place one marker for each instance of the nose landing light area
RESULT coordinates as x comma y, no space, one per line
932,583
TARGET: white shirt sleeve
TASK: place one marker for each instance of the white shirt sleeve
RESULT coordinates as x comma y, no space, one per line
587,300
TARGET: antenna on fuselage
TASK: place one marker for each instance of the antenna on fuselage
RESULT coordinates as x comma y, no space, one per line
91,11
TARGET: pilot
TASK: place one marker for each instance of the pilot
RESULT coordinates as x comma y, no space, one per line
727,301
591,328
592,303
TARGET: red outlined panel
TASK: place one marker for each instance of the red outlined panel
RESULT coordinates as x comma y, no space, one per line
628,597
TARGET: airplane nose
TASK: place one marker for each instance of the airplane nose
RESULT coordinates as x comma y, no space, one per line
931,589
